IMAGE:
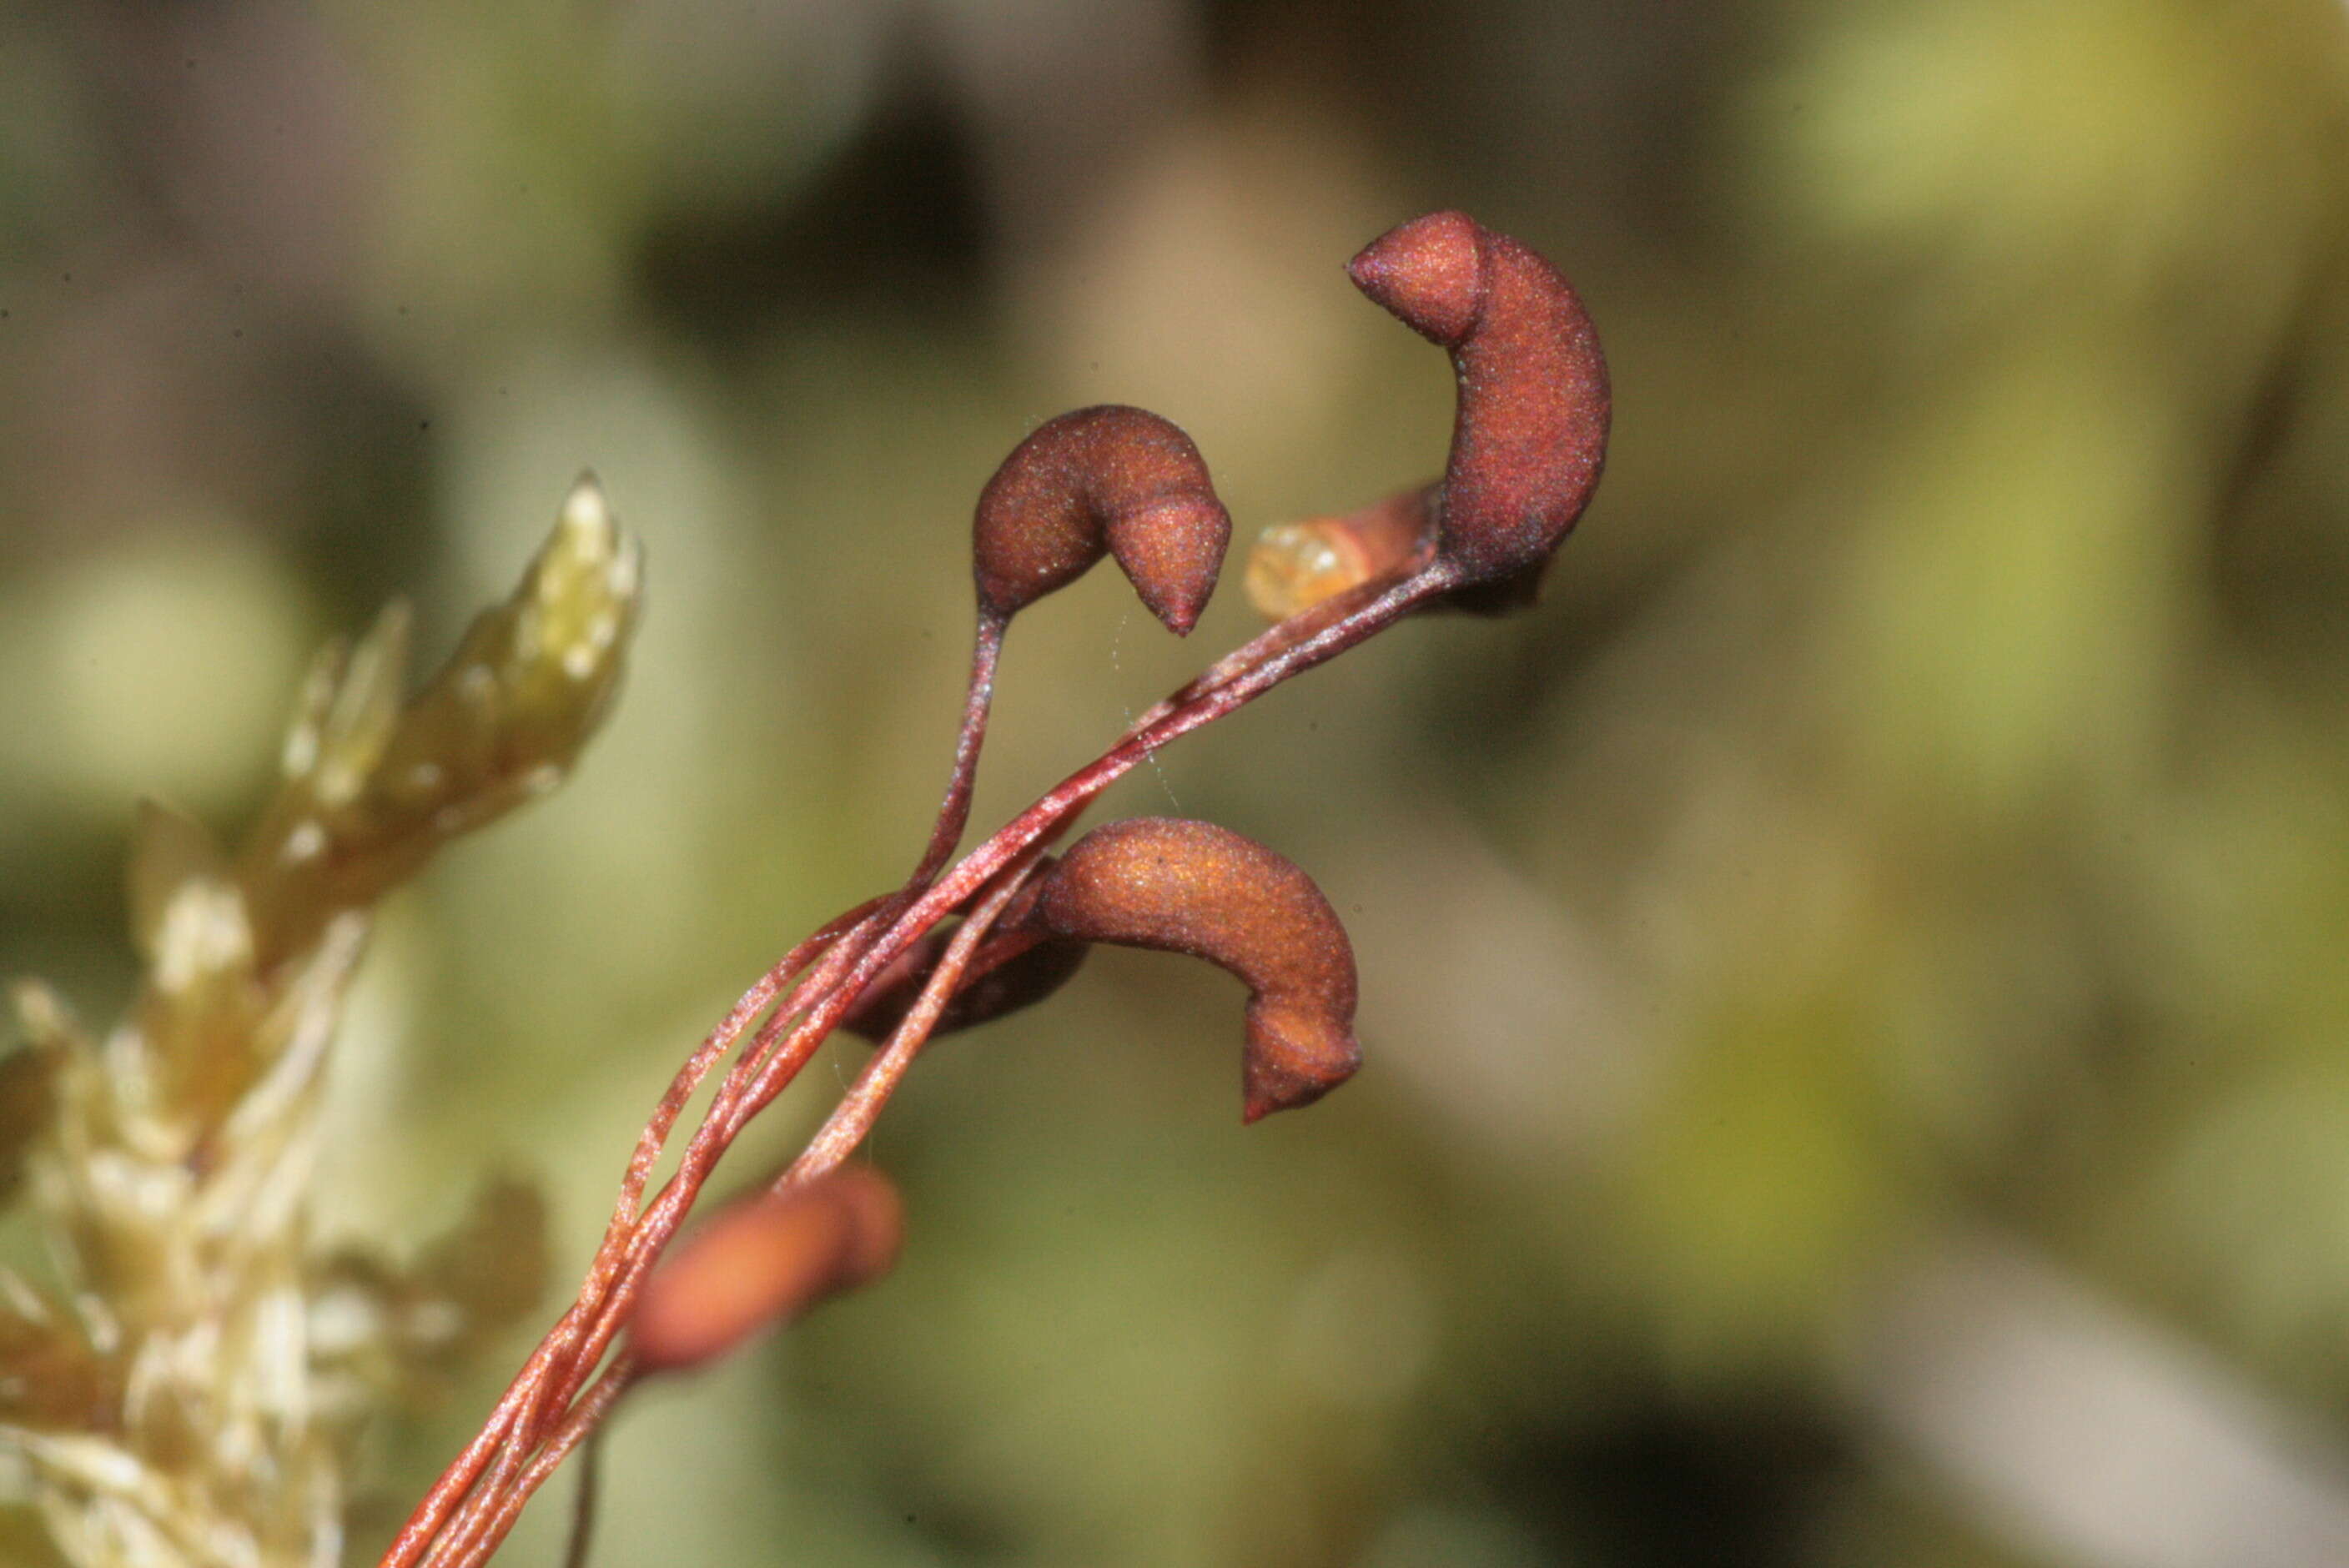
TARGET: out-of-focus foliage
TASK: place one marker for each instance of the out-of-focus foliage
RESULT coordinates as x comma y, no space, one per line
1858,1049
194,1388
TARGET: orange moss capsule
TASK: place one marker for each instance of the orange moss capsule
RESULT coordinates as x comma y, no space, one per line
1192,887
1297,565
767,1258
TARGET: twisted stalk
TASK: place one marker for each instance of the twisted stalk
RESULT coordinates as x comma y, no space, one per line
491,1512
1528,444
454,1525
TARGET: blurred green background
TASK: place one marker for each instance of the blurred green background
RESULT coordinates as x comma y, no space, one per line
1856,982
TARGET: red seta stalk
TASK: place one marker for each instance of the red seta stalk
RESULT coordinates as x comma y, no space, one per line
1123,483
452,1528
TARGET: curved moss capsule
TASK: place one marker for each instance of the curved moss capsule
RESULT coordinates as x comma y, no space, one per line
1007,973
1111,480
1192,887
1530,438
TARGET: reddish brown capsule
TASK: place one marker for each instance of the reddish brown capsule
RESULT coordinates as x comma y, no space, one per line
1531,434
1007,973
767,1258
1193,887
1018,965
1110,480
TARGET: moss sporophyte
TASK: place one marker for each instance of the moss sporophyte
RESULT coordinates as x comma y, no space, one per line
247,953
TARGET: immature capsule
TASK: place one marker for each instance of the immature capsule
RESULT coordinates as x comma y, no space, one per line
1530,438
767,1258
1192,887
1297,565
1110,480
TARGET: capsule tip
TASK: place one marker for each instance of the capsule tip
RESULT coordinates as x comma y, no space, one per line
1429,272
1295,1055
